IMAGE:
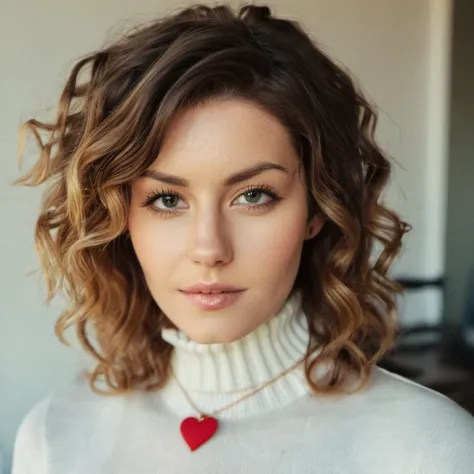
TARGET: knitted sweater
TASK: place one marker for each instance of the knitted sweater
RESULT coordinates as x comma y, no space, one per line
391,426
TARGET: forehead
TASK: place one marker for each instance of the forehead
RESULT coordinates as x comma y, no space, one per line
223,136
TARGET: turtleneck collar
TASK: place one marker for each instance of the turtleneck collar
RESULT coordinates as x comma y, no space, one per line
249,362
218,375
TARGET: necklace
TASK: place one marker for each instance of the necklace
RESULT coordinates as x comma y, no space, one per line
197,431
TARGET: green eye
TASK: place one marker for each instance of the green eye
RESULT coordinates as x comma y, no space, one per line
253,196
257,197
169,200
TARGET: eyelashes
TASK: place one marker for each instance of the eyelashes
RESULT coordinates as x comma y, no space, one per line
173,197
155,195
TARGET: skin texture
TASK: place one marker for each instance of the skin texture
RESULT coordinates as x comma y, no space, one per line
217,231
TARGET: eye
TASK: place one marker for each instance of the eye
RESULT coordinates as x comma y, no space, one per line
257,197
253,196
167,201
164,202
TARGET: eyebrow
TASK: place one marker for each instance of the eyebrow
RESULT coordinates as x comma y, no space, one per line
243,175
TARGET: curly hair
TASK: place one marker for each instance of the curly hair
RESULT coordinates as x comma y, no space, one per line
108,131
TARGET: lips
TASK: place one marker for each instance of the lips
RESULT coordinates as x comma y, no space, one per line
211,288
212,296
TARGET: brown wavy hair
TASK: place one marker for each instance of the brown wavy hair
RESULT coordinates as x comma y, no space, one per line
111,117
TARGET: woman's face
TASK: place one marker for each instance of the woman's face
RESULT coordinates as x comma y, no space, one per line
222,205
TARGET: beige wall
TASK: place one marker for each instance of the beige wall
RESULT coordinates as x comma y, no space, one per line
394,47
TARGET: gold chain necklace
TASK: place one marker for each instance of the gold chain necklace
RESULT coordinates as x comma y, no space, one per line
196,431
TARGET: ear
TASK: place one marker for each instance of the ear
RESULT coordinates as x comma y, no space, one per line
314,226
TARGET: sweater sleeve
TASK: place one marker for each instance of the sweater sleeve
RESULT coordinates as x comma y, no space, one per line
29,452
449,442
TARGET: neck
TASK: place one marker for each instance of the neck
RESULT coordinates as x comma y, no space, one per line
213,374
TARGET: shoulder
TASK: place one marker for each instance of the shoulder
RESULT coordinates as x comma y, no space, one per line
409,398
441,431
62,422
29,452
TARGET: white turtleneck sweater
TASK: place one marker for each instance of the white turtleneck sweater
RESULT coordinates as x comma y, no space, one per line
392,426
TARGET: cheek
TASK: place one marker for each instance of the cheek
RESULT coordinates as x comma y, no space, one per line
274,243
157,246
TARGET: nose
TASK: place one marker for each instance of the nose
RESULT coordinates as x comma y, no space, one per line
210,243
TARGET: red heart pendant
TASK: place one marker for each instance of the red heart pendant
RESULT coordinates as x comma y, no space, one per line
196,432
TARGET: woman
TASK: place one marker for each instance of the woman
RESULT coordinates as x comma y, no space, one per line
213,214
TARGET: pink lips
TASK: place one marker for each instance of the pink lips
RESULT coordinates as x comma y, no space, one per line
212,295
